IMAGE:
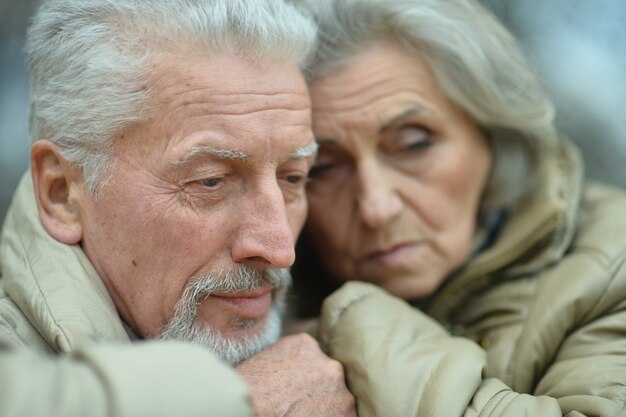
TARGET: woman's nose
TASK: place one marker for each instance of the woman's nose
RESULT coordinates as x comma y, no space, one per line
378,200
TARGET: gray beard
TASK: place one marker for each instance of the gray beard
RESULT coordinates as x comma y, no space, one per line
183,327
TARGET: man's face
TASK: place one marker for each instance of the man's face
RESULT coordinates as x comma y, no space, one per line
212,181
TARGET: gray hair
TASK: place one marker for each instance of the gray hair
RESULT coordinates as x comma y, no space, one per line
478,63
89,61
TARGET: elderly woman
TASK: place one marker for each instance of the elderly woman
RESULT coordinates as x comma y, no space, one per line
441,179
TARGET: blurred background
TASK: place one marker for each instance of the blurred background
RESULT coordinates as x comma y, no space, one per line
579,49
14,140
577,46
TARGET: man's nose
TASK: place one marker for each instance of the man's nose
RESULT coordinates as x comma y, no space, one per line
377,200
264,238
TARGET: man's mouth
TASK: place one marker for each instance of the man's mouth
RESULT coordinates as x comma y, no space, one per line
250,305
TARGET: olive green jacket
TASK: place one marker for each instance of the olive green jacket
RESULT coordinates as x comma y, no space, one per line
63,348
534,326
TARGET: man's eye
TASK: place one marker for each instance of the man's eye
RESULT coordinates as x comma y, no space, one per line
210,182
294,179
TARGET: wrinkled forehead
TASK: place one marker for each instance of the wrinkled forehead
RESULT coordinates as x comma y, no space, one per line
225,76
382,68
373,87
225,103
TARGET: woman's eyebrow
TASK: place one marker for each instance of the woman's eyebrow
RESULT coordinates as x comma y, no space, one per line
398,118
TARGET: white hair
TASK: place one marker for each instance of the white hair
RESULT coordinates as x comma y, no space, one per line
184,327
477,61
89,60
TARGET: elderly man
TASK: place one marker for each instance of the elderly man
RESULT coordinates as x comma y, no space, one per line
171,143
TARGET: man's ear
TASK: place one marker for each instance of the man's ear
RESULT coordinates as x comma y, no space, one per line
56,184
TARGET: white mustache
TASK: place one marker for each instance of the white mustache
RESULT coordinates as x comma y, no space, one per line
240,279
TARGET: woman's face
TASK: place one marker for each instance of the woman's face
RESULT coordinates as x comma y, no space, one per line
396,186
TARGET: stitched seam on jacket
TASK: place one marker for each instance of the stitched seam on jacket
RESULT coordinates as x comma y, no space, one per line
614,271
337,317
43,298
343,309
610,267
499,400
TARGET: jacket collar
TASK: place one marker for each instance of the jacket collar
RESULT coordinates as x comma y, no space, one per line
536,234
53,284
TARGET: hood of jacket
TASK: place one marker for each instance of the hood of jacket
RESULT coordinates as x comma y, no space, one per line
536,234
53,284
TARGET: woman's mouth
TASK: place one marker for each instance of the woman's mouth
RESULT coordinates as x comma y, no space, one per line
392,256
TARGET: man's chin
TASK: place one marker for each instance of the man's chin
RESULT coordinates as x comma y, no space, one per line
240,328
243,339
246,338
252,306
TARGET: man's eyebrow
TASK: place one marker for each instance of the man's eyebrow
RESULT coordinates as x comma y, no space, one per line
202,151
406,113
305,151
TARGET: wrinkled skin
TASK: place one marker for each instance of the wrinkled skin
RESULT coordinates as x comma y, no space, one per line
396,187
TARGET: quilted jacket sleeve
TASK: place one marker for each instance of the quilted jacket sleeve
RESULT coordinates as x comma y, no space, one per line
151,379
400,363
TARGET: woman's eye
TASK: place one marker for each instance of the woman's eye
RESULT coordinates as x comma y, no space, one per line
320,168
410,138
325,162
422,144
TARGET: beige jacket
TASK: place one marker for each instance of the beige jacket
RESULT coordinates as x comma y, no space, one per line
535,326
63,348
